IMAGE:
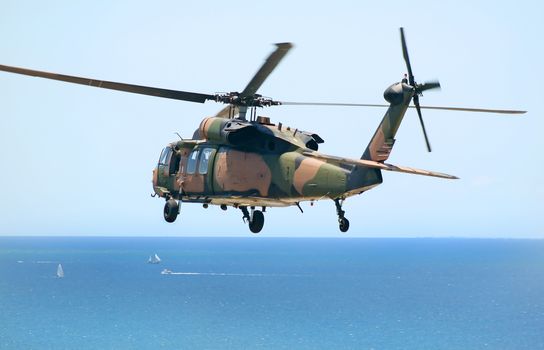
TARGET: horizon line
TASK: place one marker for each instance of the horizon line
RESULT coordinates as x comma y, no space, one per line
279,237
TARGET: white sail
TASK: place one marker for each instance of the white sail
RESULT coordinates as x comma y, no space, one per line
154,259
60,271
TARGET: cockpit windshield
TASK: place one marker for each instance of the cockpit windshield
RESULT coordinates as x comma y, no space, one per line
163,160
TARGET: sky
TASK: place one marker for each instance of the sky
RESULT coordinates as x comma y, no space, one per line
77,160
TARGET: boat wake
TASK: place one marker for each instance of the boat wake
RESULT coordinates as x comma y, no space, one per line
168,272
216,274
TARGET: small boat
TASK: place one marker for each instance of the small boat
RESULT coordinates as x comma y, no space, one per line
60,271
166,272
154,259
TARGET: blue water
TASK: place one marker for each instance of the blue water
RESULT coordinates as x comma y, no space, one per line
271,293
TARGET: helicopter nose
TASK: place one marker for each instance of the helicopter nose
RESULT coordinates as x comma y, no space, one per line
155,177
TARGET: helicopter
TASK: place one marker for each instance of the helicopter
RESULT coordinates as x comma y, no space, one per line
243,160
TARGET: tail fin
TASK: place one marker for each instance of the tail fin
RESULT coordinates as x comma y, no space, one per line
381,144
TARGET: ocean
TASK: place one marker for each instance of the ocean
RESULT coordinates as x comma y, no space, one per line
271,293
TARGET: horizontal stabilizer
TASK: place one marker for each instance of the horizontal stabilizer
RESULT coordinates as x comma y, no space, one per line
378,165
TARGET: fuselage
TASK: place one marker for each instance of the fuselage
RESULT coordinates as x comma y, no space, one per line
255,174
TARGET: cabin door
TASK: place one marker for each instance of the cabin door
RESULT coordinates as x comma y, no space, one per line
199,171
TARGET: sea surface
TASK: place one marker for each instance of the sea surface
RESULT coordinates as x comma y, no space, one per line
271,293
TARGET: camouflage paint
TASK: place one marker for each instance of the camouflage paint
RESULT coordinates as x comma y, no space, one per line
241,172
210,129
382,142
194,184
306,171
276,177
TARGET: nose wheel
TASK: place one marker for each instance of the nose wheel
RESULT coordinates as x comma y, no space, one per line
171,210
343,223
255,220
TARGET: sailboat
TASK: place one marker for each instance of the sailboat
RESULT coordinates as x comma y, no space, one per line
60,271
154,259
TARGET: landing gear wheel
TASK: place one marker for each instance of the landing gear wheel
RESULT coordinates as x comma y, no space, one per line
257,221
343,224
171,210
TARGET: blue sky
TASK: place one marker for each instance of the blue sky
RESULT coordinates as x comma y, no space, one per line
77,160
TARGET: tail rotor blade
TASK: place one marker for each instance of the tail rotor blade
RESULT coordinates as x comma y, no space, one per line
406,57
416,103
428,85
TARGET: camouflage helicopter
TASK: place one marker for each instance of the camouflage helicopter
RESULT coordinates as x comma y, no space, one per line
239,159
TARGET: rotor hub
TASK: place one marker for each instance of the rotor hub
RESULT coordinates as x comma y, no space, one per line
395,93
255,100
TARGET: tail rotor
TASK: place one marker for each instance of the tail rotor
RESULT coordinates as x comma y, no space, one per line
418,88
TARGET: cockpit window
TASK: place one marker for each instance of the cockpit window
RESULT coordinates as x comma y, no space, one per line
163,160
191,163
204,160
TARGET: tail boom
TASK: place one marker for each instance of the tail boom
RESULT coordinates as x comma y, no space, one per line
399,96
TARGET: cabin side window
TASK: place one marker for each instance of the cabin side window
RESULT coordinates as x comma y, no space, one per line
204,160
191,163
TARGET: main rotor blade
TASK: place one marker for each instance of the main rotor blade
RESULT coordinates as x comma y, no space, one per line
461,109
406,57
137,89
333,104
269,64
482,110
418,108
